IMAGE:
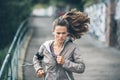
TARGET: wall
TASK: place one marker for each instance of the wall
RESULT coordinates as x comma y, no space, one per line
117,18
97,14
105,22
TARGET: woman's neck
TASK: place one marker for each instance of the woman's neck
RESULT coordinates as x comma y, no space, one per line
57,44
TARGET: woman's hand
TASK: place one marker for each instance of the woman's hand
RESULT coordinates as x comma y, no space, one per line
40,73
60,59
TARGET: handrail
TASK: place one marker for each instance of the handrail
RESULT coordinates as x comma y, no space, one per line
15,43
17,33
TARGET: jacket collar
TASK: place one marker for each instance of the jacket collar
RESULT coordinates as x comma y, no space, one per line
47,44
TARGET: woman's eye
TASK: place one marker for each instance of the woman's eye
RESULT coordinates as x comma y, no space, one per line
64,33
58,33
61,33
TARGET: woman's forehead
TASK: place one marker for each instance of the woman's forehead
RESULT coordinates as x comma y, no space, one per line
60,28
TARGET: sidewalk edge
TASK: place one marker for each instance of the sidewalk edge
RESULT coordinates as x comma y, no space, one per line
23,50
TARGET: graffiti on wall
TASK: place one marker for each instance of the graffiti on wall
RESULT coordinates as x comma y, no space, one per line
117,10
117,17
97,14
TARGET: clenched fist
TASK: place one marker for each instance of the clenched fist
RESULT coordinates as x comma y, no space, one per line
60,59
40,73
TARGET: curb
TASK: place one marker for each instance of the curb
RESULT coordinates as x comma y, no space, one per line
22,54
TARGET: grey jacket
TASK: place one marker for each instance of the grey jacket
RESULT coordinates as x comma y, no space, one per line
46,60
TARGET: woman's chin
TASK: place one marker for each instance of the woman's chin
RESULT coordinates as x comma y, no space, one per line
61,41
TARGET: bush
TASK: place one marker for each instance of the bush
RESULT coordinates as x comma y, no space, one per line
12,13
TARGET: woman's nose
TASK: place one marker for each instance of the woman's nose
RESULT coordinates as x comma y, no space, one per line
61,35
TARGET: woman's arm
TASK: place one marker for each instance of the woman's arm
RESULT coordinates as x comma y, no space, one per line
76,65
37,59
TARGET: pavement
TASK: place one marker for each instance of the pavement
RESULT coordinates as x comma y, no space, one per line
102,62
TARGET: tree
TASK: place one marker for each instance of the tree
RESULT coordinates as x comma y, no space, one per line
41,1
11,15
79,4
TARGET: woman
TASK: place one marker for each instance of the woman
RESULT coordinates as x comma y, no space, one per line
57,59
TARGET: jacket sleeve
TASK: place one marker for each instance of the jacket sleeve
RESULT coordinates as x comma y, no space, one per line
76,65
37,59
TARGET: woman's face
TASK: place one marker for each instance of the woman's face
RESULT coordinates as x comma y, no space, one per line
60,33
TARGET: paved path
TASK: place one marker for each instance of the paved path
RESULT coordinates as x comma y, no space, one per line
102,63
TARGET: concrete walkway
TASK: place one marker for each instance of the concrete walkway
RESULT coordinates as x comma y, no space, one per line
102,62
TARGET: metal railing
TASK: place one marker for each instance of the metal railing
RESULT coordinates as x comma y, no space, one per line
9,67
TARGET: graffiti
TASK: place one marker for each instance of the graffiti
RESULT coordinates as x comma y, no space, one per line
117,10
117,17
97,14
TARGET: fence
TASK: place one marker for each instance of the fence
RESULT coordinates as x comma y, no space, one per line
9,67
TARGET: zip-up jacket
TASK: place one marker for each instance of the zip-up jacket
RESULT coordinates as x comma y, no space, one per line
45,59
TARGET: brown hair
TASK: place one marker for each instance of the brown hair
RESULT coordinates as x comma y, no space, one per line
75,21
61,22
78,23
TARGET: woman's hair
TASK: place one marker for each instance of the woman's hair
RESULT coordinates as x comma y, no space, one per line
61,22
75,21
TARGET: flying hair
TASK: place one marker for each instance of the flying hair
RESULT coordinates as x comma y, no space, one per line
78,23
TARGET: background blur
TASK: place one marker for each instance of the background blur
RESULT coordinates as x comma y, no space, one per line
104,18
